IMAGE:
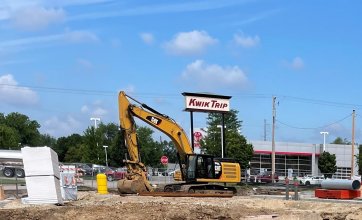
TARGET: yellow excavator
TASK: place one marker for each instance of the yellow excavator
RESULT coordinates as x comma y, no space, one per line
200,173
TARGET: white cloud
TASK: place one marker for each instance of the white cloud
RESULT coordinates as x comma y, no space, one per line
10,7
129,89
16,45
56,126
97,102
297,63
99,112
189,43
246,41
35,18
84,109
85,64
116,43
147,38
255,18
80,36
214,76
94,110
13,94
154,8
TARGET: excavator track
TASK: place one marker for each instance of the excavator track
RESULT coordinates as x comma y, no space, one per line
182,194
207,189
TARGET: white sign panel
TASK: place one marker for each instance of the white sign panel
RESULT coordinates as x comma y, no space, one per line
199,134
207,104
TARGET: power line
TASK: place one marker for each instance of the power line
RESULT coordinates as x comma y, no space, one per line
322,102
170,95
60,90
299,99
305,128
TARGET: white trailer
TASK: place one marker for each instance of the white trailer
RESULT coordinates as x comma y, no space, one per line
11,163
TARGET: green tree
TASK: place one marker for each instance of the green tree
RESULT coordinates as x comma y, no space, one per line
93,152
117,151
150,150
75,153
9,138
170,151
112,137
63,146
339,140
47,140
327,164
236,144
27,129
359,160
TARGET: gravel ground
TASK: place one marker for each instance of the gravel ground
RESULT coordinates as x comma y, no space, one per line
91,205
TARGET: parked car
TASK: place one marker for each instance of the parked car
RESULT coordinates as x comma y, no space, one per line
84,168
265,177
312,180
116,173
98,169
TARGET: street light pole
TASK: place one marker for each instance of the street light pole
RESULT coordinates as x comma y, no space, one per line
222,140
105,150
95,121
324,133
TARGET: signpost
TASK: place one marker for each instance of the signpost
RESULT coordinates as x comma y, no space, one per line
164,160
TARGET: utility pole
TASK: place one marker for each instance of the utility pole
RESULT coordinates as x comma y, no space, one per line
264,129
352,161
273,141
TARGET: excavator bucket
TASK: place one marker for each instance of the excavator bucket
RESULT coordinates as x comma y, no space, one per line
126,186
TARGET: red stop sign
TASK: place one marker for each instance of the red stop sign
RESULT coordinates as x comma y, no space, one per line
164,160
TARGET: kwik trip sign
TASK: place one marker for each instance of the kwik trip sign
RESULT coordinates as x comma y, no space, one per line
206,102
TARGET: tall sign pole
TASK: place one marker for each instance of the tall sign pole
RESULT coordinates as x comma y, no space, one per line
223,135
273,141
192,131
352,160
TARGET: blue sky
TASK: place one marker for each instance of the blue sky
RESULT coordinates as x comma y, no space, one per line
62,62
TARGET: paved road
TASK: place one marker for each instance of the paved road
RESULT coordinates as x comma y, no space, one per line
155,180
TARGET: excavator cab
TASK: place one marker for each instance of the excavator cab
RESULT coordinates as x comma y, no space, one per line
202,166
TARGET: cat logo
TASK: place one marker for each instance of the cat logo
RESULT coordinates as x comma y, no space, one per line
154,120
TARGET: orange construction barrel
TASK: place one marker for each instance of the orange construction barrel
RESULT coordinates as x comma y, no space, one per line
102,183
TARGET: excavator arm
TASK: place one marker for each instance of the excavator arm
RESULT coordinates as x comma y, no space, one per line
136,179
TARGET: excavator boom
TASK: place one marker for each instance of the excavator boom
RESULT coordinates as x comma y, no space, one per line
135,167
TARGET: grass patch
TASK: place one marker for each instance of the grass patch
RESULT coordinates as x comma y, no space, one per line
12,181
